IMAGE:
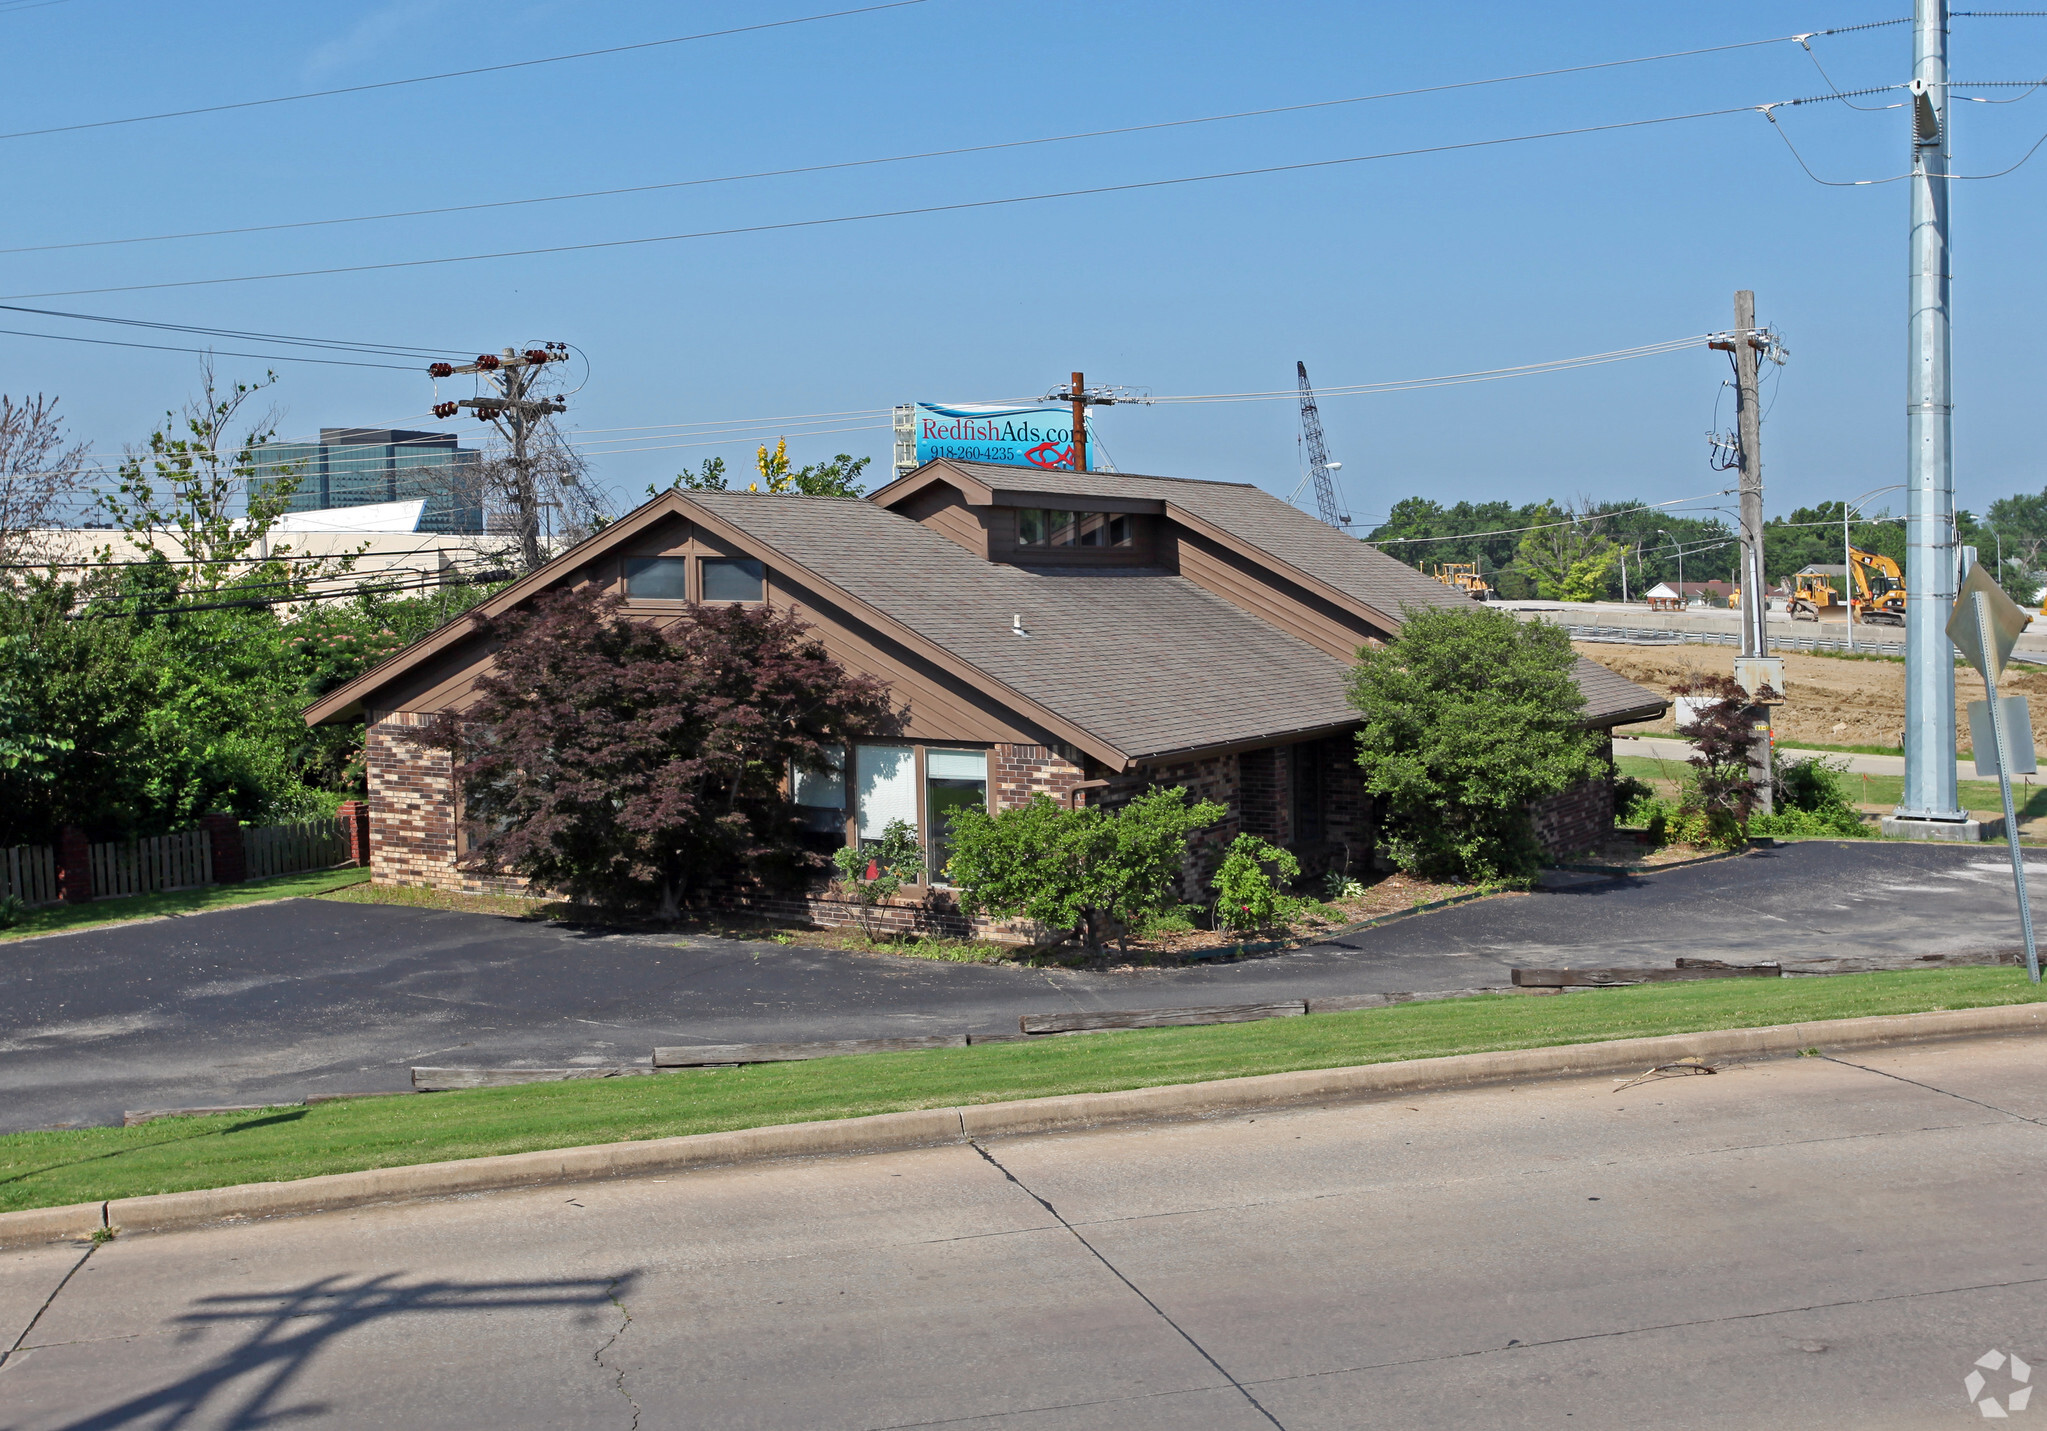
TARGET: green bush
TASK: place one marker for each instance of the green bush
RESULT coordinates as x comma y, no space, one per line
1246,894
1088,870
1469,716
873,873
1810,800
13,909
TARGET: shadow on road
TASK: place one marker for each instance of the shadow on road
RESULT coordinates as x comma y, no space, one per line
243,1386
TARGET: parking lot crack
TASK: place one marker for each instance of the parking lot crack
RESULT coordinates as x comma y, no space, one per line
1138,1291
625,1319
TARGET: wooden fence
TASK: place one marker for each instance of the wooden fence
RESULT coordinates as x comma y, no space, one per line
29,873
280,849
146,866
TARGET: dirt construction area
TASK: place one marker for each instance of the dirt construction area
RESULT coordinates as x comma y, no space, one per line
1831,700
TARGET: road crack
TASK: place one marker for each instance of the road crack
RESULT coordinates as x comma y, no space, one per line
1930,1088
618,1373
48,1301
1117,1273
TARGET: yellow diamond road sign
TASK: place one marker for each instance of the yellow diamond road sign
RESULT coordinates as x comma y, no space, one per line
2007,620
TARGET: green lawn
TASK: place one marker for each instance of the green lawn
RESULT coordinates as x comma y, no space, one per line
52,918
80,1165
2028,795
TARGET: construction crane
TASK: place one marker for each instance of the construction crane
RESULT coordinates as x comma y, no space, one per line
1328,504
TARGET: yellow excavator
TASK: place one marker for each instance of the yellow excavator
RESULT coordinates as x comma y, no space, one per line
1879,590
1463,575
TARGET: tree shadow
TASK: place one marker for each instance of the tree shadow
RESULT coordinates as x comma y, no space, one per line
244,1386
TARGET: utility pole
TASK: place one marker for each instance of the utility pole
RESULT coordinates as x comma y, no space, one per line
1755,670
1755,606
1083,397
513,374
1930,793
1079,391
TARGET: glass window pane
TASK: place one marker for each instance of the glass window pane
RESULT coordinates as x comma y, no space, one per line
1119,531
1030,527
1061,524
885,779
733,579
1094,529
954,780
657,578
820,795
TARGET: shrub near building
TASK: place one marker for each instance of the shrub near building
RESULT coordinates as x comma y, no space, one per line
1469,717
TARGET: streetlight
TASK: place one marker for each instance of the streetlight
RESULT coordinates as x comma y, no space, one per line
1680,565
1848,560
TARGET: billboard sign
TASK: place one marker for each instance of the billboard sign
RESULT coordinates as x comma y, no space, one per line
1006,436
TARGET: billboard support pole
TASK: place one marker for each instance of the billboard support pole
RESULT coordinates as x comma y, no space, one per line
1079,423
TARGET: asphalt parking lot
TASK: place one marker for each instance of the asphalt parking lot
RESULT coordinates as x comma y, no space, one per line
276,1002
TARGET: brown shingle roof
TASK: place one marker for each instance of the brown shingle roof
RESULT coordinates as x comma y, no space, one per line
1290,537
1146,660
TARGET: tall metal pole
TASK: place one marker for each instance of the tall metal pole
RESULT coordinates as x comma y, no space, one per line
1847,576
1755,602
1079,423
1930,792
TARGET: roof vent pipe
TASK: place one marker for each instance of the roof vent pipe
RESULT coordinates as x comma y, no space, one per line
1016,626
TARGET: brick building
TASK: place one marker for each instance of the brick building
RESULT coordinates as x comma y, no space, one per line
1083,635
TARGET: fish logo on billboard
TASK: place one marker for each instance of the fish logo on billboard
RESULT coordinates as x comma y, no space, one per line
1006,436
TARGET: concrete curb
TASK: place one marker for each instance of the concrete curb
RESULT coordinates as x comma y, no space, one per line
932,1127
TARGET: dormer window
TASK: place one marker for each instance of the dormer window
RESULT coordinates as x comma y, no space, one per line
1046,527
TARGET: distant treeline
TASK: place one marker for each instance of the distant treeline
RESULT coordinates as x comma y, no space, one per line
1542,548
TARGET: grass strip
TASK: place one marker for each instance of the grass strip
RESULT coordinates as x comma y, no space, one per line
80,1165
54,918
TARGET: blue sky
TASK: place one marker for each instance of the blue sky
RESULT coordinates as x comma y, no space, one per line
1370,272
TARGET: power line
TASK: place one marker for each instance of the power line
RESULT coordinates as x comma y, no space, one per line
168,348
336,344
920,210
1554,365
456,74
1547,526
923,154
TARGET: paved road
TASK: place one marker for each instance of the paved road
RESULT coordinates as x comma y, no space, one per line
1797,1243
275,1002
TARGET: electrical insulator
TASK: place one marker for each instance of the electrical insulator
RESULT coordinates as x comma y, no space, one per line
440,370
486,362
445,409
538,355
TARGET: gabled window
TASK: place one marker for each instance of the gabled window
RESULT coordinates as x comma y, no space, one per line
1049,527
657,578
733,579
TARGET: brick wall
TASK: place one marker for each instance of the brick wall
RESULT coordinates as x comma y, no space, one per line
412,805
1578,819
1020,771
1215,778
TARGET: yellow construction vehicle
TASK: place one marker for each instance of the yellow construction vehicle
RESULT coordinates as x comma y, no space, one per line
1816,591
1464,576
1879,588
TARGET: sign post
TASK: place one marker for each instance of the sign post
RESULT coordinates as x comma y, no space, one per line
1985,626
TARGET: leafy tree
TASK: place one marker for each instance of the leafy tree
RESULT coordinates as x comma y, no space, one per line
626,763
1084,870
1247,896
1722,792
710,477
1566,555
839,477
875,873
1470,715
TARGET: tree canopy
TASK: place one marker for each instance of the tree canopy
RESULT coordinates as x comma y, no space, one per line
630,764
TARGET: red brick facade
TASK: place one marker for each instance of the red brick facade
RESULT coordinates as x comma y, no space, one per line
1019,772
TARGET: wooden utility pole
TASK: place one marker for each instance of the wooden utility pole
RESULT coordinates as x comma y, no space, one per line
1079,391
1754,669
513,374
